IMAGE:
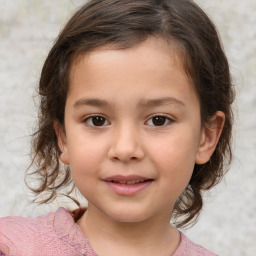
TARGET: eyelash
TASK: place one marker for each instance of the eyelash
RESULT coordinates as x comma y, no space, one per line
166,119
86,120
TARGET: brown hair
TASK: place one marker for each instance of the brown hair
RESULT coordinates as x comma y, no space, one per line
123,24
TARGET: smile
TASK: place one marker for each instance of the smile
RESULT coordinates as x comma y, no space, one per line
128,181
128,185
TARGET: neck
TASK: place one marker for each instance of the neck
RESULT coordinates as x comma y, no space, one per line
154,236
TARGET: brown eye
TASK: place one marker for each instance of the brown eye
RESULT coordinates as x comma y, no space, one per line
158,121
96,121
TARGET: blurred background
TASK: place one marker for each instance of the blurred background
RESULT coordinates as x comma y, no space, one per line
28,28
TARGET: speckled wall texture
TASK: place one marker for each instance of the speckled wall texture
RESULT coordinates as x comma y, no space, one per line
27,29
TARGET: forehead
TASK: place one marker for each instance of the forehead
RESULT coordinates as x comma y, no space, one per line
153,48
152,65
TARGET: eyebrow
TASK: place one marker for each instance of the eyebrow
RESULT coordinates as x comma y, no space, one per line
142,102
91,102
160,101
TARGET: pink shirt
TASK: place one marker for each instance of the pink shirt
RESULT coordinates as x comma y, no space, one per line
57,234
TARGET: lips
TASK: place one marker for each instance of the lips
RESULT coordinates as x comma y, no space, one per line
130,182
128,185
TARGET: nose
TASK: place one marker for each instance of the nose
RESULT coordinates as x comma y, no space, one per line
126,145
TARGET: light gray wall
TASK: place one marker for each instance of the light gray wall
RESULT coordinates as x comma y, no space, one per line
27,29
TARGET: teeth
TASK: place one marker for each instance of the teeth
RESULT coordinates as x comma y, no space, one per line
129,182
134,181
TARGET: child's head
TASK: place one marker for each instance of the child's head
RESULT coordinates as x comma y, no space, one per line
179,26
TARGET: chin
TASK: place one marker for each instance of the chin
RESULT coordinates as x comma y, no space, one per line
126,215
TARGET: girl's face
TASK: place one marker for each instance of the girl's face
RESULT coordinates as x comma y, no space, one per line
132,130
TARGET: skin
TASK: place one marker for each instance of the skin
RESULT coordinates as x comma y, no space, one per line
129,143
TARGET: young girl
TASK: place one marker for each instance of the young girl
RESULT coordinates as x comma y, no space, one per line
135,110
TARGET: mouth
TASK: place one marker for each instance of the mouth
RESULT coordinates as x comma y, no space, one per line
130,182
128,185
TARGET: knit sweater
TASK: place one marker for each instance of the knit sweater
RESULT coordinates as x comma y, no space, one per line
58,234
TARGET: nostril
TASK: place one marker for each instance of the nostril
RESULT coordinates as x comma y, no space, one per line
125,151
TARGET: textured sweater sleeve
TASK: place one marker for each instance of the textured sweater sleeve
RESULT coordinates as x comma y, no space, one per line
12,234
21,236
54,234
5,242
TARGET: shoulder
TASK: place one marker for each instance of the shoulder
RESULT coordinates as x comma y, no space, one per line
25,236
16,231
187,247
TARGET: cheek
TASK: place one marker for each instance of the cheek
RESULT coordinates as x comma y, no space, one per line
174,159
175,150
85,166
85,158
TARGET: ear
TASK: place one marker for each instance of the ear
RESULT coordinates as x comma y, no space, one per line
209,137
62,142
